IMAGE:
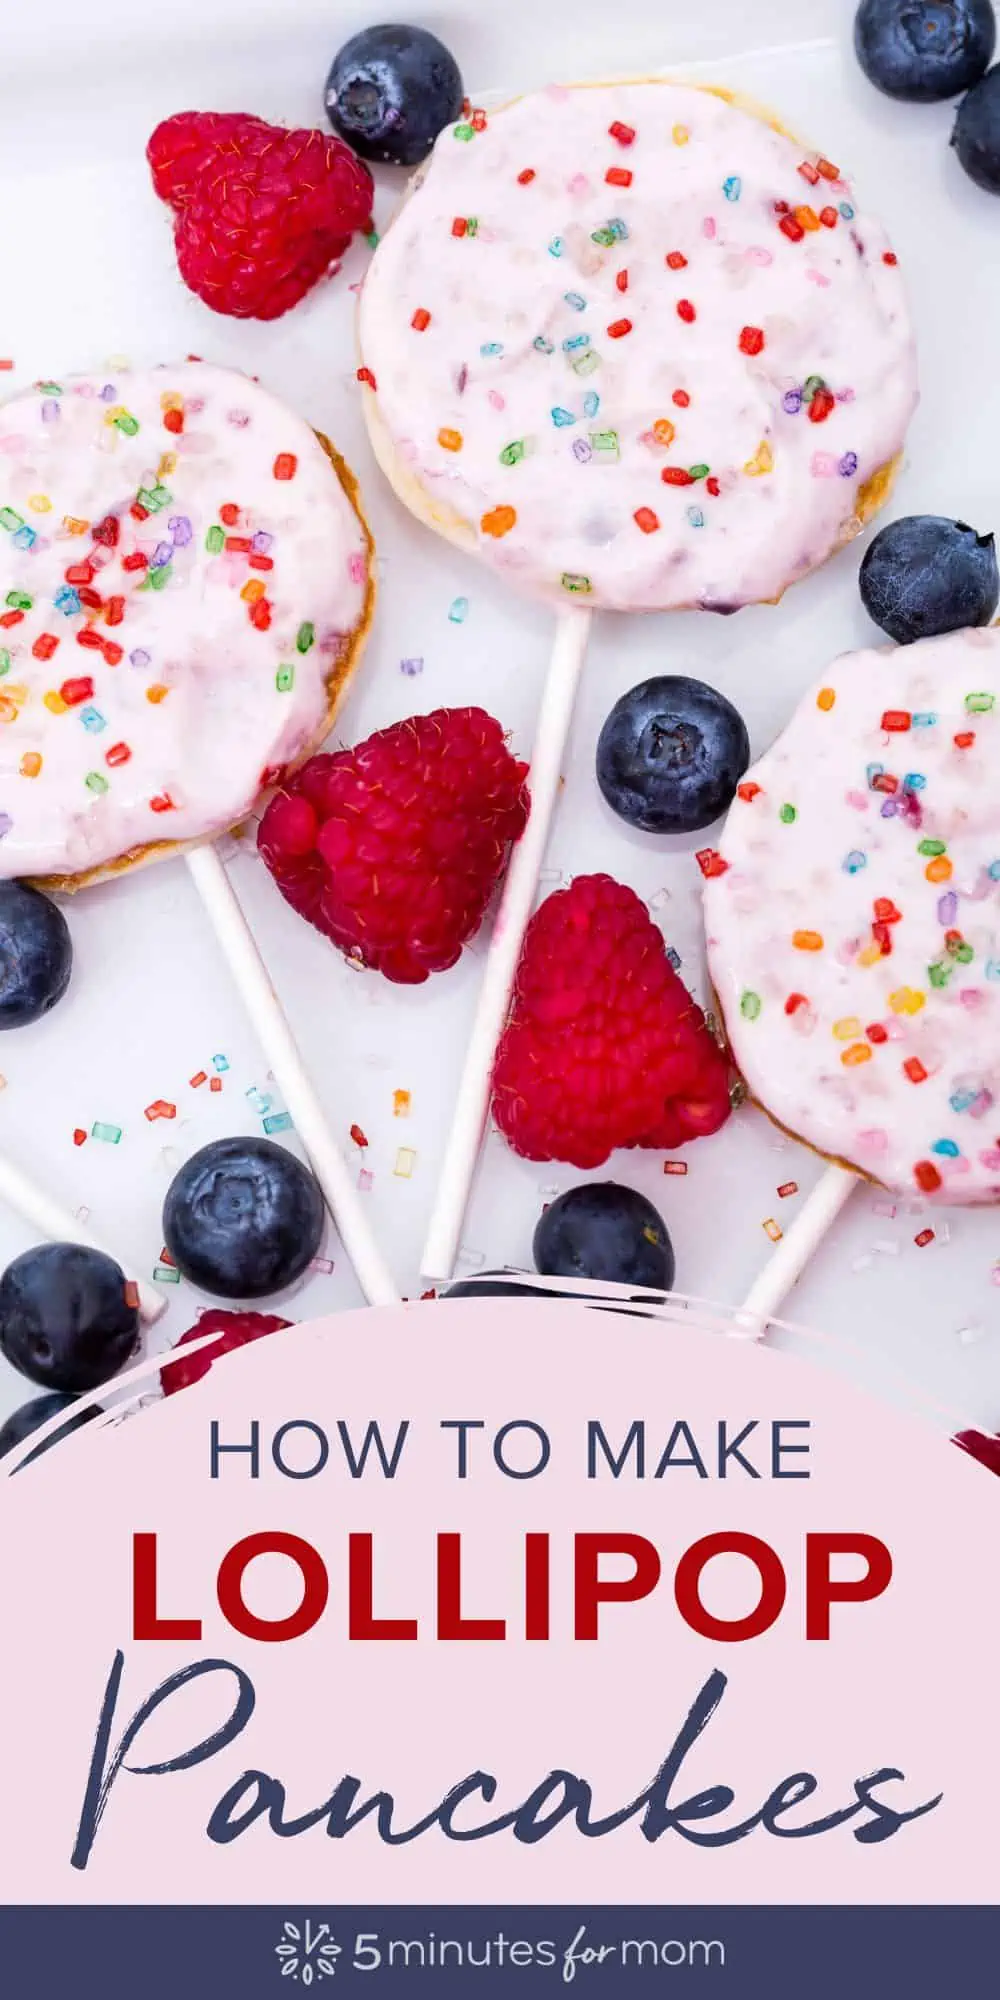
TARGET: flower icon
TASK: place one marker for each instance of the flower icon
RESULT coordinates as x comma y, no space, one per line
307,1952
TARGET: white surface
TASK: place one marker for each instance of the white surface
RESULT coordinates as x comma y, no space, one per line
785,1265
89,274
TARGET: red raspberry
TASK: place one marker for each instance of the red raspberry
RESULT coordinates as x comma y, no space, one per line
393,849
980,1445
604,1046
261,212
235,1329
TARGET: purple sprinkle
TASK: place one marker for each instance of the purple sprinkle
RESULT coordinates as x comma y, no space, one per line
181,530
140,658
411,667
5,824
582,450
848,465
889,809
262,542
108,393
791,402
461,379
947,909
161,555
50,411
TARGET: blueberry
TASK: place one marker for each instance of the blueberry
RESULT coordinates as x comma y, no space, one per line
923,575
243,1218
601,1230
976,137
65,1316
671,755
496,1285
36,955
31,1415
391,90
924,50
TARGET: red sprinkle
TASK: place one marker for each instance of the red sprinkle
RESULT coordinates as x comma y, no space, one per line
160,1109
229,514
261,562
119,753
787,1188
686,311
138,512
965,739
79,1136
884,781
82,572
820,407
107,531
173,420
619,177
621,280
358,1136
526,174
886,911
876,1033
89,638
676,475
365,375
199,1078
914,1069
260,614
882,936
712,486
420,320
619,328
237,545
112,652
285,465
624,134
646,520
115,610
748,791
10,618
73,692
924,1237
926,1176
681,398
710,862
135,561
214,1082
828,170
751,340
792,229
677,260
45,645
794,1002
459,226
890,257
896,720
829,218
91,598
809,172
163,803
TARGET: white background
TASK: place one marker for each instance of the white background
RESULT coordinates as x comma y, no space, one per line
88,274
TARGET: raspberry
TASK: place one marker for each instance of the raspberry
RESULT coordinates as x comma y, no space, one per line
235,1329
604,1046
393,849
261,212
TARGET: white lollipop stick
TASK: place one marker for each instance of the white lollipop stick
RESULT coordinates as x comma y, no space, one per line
264,1008
785,1267
60,1226
472,1104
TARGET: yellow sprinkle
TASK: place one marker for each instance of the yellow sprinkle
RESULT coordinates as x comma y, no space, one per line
871,954
39,503
73,526
450,440
859,1052
771,1229
400,1103
170,400
252,591
30,764
157,693
848,1029
825,699
906,1000
8,709
680,135
167,465
112,416
54,702
405,1162
761,462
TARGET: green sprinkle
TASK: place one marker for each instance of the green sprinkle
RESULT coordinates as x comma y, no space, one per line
930,847
939,974
215,541
372,239
284,679
10,520
812,383
4,661
512,452
281,1121
698,471
304,637
579,584
605,237
750,1005
111,1133
605,441
167,1274
471,225
158,579
18,600
964,954
788,815
585,363
153,498
50,388
465,132
127,423
96,781
976,704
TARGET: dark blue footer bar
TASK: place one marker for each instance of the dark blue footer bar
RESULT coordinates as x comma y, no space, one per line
592,1952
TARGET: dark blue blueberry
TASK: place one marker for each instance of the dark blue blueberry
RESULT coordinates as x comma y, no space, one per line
671,755
391,90
36,955
923,575
496,1285
924,50
976,137
243,1218
601,1230
31,1415
66,1320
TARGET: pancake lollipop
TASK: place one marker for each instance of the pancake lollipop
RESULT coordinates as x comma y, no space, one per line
185,591
853,921
638,350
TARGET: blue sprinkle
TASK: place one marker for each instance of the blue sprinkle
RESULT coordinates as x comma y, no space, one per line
993,968
961,1100
66,600
560,416
459,611
412,666
258,1100
872,772
854,861
618,228
556,247
576,340
220,1062
674,957
544,346
696,517
925,720
914,781
93,720
493,347
591,403
791,402
947,1148
25,537
994,871
280,1122
574,299
732,188
847,211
